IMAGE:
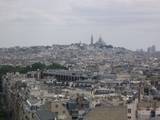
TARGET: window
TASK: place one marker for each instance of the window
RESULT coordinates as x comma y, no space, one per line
129,110
129,117
64,112
56,113
56,105
32,115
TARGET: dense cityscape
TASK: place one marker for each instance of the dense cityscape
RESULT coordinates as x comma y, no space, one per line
95,81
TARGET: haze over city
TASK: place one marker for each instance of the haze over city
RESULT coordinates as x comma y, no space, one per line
132,24
79,60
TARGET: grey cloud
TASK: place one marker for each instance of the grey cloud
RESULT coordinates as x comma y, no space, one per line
125,20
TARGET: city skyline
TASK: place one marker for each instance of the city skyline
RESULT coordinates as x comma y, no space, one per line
133,24
91,42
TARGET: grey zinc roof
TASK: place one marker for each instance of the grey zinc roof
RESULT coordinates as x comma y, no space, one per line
45,115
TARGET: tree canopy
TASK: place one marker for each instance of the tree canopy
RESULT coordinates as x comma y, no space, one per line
24,69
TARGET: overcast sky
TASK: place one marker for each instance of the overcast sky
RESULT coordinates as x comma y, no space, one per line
127,23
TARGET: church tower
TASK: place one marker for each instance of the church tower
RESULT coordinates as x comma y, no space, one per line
91,40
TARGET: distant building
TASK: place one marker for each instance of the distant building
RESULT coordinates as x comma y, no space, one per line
65,75
91,40
148,110
44,115
100,43
108,113
60,110
151,49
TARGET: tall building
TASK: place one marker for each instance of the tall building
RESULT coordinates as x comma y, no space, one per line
151,49
100,43
100,39
91,40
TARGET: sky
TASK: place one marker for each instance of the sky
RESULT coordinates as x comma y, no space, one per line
132,24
